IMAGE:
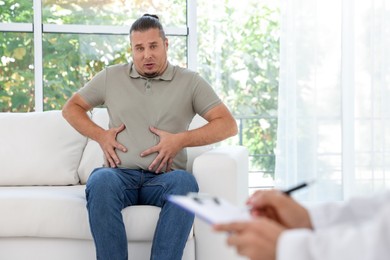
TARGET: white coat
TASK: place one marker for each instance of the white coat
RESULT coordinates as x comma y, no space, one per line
357,229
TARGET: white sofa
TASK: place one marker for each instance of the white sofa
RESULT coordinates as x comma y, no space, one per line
45,164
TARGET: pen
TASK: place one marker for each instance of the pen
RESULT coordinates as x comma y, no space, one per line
297,187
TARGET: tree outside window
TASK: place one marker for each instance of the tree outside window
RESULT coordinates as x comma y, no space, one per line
238,52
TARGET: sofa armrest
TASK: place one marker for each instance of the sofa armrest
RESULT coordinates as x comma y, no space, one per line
222,172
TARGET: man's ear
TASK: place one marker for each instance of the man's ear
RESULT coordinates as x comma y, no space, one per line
130,48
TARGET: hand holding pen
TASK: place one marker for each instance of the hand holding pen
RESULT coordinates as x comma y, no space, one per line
280,207
274,212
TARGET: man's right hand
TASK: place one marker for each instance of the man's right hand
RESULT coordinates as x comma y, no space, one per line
109,144
75,112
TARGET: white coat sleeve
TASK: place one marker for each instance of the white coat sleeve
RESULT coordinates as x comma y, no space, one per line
365,238
355,210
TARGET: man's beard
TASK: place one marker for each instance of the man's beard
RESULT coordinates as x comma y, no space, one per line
151,75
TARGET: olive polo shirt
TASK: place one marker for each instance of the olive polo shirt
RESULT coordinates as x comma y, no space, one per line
167,102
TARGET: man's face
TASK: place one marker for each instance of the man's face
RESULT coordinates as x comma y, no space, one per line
149,52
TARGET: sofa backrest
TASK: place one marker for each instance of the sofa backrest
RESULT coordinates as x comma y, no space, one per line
93,155
39,148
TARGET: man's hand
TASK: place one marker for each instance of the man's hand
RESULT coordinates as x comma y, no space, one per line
108,143
75,112
166,150
256,239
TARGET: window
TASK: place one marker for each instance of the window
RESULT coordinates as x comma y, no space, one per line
84,35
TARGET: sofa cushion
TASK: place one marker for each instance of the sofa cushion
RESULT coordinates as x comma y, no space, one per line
39,148
60,212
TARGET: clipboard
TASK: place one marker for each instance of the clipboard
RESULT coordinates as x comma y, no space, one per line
211,209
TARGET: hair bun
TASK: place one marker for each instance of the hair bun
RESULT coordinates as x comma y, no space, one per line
152,15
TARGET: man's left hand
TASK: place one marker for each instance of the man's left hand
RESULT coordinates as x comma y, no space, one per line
167,149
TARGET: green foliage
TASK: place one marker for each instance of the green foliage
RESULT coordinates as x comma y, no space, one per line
72,60
16,11
239,55
16,59
16,72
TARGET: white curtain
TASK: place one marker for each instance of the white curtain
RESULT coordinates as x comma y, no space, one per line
334,97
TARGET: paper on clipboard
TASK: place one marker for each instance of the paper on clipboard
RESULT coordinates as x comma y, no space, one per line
212,210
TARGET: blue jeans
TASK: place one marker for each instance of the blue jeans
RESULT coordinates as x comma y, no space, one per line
109,190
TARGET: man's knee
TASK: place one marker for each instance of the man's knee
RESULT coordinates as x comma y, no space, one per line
101,180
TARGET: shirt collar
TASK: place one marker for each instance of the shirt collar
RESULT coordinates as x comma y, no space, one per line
167,75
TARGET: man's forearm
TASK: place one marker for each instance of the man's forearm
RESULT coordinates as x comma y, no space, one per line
79,119
215,131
